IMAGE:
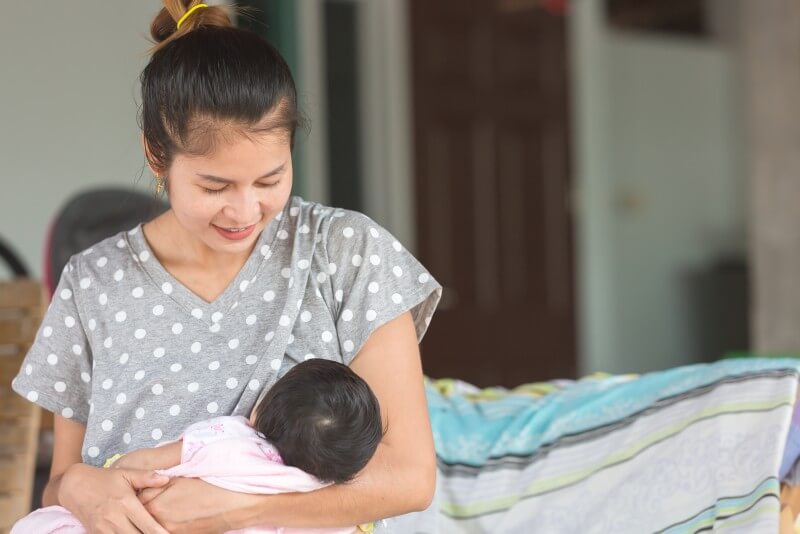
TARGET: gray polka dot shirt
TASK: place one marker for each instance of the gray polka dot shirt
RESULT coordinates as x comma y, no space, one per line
137,357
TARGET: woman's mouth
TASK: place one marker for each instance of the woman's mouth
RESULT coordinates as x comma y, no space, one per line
234,233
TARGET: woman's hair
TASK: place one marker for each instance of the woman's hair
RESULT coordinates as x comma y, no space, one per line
322,418
208,81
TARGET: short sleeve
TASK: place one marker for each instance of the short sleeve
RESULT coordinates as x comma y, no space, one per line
374,280
56,372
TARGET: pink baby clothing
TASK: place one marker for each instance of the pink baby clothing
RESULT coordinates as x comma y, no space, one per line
224,451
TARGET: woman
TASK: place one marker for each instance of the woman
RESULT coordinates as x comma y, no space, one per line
198,312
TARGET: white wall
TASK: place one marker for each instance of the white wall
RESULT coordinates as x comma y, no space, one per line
68,104
661,188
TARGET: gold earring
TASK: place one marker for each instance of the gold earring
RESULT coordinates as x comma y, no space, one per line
159,184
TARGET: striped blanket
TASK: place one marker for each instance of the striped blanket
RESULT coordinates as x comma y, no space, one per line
694,448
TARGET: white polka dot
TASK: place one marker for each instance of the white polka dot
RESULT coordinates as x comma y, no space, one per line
243,285
251,320
216,317
175,367
139,333
133,231
291,339
371,315
158,309
233,343
47,331
52,359
102,262
299,303
375,259
348,346
144,256
397,246
269,296
284,320
139,374
107,425
174,410
137,292
196,347
397,270
28,369
291,282
121,398
66,294
85,377
303,264
123,359
92,324
212,407
177,328
305,316
265,251
321,277
120,243
231,383
157,389
373,287
331,269
293,211
159,352
275,364
69,321
119,274
309,356
269,336
32,396
348,232
423,278
193,387
304,229
339,295
214,327
357,260
93,452
283,234
102,299
108,383
126,437
85,283
61,387
213,366
108,342
286,272
156,434
347,315
197,313
253,384
120,316
397,298
317,293
67,412
139,413
250,360
327,336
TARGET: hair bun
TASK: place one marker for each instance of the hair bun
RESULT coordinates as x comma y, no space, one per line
164,27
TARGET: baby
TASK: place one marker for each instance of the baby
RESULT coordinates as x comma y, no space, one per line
318,425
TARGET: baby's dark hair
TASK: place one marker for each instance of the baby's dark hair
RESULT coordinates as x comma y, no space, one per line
323,418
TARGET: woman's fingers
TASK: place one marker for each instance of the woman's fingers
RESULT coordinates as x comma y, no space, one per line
141,520
140,480
148,494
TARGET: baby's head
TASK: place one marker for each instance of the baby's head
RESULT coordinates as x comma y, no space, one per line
323,418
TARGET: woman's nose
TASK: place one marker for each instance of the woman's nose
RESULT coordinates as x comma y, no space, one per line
243,208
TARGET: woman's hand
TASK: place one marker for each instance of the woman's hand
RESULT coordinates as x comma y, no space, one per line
105,501
191,505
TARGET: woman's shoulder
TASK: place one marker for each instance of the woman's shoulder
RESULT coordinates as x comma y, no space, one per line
107,256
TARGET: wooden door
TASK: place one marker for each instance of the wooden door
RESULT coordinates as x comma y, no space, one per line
490,98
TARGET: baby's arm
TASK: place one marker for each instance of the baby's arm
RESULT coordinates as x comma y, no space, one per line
162,457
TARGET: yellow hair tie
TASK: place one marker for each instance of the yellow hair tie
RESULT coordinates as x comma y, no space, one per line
189,12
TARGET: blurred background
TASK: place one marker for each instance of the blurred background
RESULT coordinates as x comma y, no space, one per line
600,185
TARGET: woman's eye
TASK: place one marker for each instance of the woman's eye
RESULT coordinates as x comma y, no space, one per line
214,191
273,184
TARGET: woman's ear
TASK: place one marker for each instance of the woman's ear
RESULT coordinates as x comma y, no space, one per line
149,157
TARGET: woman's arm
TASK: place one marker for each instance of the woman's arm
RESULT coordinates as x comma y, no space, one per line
400,478
67,442
153,458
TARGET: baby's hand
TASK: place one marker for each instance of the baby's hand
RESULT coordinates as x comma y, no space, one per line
149,459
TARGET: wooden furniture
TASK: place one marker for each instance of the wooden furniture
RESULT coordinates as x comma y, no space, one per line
22,303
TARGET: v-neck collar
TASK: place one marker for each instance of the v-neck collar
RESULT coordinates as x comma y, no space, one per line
226,301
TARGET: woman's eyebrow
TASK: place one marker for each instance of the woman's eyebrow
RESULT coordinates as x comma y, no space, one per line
219,180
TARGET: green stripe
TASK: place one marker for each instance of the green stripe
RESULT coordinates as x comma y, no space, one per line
464,511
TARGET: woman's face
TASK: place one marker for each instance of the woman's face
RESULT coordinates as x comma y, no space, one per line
227,198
